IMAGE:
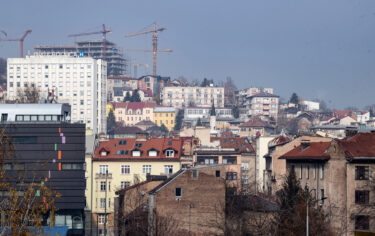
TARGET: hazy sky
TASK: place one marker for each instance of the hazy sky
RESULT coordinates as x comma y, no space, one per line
318,48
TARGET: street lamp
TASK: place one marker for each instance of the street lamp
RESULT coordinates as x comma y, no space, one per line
307,208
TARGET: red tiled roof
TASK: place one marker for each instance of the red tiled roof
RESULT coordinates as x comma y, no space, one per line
148,92
315,151
239,143
133,105
342,113
256,122
159,144
281,139
360,145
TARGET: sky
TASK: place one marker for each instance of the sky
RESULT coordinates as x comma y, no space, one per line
320,49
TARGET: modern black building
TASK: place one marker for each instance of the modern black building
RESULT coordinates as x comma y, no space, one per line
60,146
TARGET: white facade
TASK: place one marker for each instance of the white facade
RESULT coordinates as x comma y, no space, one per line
263,104
311,106
204,112
260,161
81,82
198,96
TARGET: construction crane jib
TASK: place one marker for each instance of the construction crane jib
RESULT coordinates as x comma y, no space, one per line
155,50
20,40
104,32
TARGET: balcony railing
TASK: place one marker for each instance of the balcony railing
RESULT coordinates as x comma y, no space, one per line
103,176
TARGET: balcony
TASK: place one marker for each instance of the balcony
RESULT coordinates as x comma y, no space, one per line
103,176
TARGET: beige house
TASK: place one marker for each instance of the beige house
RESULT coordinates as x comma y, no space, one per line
130,113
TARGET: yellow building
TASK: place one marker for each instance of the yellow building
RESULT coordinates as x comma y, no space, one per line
119,163
108,108
166,116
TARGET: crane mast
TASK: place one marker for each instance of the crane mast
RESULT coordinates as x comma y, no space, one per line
155,50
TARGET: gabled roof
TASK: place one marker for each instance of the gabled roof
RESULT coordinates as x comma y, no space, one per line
360,145
255,122
128,130
159,144
312,151
241,144
279,140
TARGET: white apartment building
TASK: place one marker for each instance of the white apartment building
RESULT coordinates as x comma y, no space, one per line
263,104
79,81
192,96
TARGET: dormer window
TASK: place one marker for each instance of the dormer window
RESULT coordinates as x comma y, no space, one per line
152,153
103,153
122,142
136,153
169,153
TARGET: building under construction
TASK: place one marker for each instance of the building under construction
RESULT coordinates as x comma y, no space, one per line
92,48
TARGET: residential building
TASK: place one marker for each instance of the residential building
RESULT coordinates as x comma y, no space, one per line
153,83
165,116
263,104
48,147
260,161
130,113
311,106
123,162
81,82
255,127
340,171
195,113
243,94
91,48
180,97
120,81
193,200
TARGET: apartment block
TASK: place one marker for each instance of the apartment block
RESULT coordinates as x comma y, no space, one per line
263,104
122,162
180,97
165,116
79,81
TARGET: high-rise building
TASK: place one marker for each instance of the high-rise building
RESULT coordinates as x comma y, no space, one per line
79,81
91,48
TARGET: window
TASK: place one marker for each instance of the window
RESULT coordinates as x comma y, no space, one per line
72,166
169,153
125,184
231,175
194,174
102,202
11,84
361,173
125,169
322,172
136,153
146,169
103,169
178,192
362,197
103,186
60,66
168,169
101,218
217,173
307,172
362,222
122,142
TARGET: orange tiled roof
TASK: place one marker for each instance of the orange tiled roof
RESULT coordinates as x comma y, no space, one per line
159,144
239,143
315,151
360,145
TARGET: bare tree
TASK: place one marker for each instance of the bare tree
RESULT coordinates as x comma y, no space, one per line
29,94
229,90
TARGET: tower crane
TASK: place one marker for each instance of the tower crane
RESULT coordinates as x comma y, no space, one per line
104,32
20,40
155,50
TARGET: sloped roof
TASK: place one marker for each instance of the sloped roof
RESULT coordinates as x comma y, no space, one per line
146,122
133,105
159,144
281,139
360,145
127,130
241,144
314,151
255,122
342,113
